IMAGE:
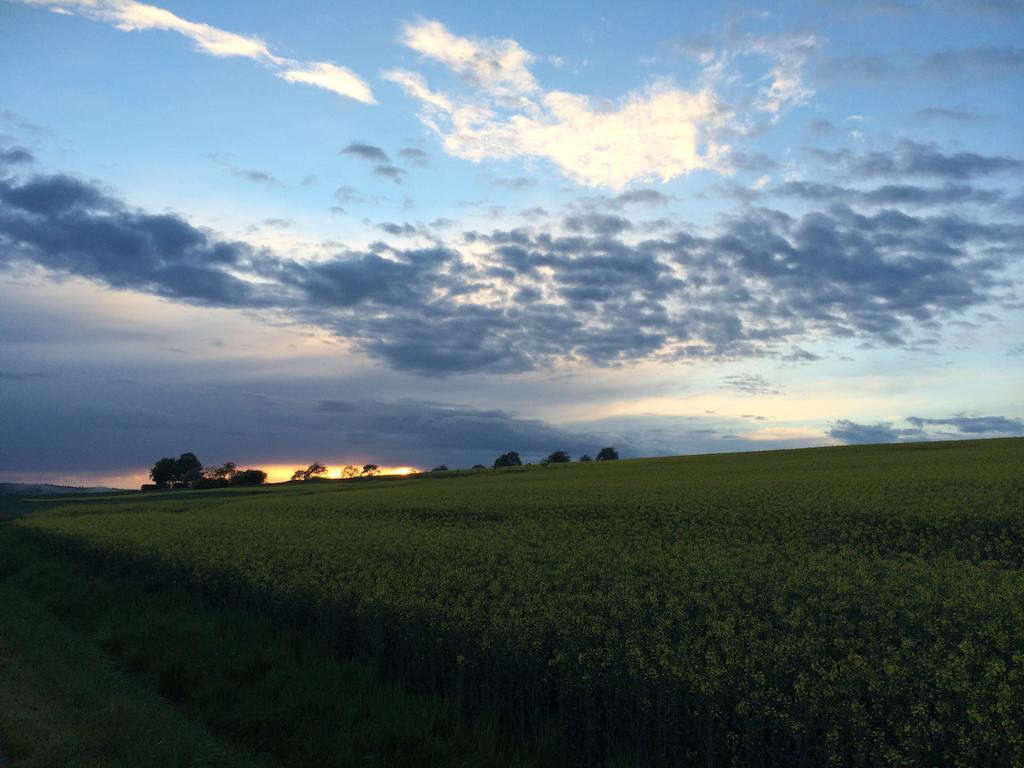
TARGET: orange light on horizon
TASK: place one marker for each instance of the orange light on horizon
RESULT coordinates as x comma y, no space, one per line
279,473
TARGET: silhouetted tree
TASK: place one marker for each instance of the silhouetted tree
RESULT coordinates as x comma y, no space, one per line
585,457
369,470
315,470
350,471
510,459
225,471
440,468
168,471
188,467
248,477
607,454
558,457
163,472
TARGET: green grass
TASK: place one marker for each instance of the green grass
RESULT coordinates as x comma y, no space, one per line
850,606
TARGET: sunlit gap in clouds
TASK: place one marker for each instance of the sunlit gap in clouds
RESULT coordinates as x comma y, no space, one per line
278,473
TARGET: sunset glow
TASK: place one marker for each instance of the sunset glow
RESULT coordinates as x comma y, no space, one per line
430,237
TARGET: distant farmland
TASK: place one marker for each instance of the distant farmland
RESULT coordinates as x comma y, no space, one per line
840,606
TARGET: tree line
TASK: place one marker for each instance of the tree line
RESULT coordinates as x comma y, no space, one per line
187,471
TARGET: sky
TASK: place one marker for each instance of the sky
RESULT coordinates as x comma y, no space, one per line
410,235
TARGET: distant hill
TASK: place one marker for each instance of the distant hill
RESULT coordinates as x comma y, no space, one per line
45,489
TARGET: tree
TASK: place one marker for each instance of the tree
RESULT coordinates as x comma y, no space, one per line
607,454
558,457
510,459
224,472
440,468
247,477
314,471
369,470
350,471
163,472
479,466
585,457
169,472
188,468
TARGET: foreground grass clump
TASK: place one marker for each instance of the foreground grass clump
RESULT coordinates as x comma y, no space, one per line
852,606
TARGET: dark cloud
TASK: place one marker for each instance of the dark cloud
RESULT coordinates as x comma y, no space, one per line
761,284
885,195
256,177
640,197
22,376
957,425
973,425
367,152
854,433
392,172
821,127
397,230
800,355
750,384
598,224
15,155
911,158
989,59
346,194
68,226
415,156
517,183
752,162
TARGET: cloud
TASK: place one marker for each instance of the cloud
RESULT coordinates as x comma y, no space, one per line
853,433
657,132
15,156
366,152
885,195
392,172
598,224
516,183
972,63
257,177
132,16
762,283
330,77
974,425
415,156
398,230
939,113
750,384
921,429
989,59
496,66
911,158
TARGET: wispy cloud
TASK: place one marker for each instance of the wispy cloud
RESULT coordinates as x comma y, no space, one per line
132,16
660,131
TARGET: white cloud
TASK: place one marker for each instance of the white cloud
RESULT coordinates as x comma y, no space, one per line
658,132
132,16
498,66
331,77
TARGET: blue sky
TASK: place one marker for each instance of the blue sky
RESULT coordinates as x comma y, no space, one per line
411,235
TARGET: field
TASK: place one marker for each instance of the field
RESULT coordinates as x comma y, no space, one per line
846,606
